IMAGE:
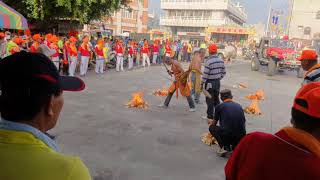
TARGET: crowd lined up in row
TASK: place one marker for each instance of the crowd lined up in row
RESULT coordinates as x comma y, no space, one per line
67,53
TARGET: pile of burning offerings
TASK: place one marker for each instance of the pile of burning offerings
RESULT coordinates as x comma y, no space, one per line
161,92
137,101
254,107
259,95
208,139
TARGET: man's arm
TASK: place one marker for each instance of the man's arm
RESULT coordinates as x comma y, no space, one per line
206,71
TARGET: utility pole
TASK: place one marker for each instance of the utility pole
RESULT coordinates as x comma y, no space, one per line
291,4
269,17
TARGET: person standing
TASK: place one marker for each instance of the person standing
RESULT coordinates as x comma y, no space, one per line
99,56
309,63
232,120
119,51
161,53
189,51
180,83
28,110
195,68
168,51
214,71
54,46
73,56
13,46
3,45
291,153
65,57
130,54
145,52
34,48
84,50
155,52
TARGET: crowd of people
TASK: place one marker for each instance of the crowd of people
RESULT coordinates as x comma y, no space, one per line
83,51
31,107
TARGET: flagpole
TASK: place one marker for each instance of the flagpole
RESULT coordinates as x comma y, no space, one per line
269,17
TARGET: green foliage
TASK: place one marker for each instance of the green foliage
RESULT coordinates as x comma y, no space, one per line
82,10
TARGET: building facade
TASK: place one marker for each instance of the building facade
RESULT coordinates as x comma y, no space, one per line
190,18
305,19
128,20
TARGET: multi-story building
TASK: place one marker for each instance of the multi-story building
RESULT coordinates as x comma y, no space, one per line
134,18
190,18
305,19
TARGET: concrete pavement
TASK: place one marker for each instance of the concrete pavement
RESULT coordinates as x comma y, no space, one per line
118,143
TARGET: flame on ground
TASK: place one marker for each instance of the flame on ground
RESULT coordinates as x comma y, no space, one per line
208,139
253,108
161,92
137,101
259,95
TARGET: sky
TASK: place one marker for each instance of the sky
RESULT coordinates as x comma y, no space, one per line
257,10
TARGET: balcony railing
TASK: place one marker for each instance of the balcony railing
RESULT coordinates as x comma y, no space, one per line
194,4
204,5
190,21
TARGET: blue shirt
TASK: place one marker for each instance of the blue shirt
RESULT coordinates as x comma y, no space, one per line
231,118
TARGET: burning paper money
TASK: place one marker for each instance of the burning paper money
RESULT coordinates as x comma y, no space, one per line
208,139
161,92
137,101
241,86
259,95
253,108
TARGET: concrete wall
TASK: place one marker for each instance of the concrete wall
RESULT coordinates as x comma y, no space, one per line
303,16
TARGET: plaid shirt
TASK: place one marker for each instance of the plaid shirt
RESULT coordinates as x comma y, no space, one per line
214,69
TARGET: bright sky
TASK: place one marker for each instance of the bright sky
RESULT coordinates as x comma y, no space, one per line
257,10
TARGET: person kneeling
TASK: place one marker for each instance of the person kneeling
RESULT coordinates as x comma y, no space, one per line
231,120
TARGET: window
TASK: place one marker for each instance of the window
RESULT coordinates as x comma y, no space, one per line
300,28
318,15
127,14
307,31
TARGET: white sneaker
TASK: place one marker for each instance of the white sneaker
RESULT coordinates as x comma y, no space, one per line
204,117
162,106
192,109
221,152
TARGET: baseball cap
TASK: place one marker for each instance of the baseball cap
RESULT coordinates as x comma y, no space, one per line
308,55
212,48
24,72
307,100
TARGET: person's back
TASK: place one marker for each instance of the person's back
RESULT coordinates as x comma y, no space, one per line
24,157
264,156
231,118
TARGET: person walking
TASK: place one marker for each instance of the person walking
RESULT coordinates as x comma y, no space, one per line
54,46
189,51
145,54
214,71
309,63
119,51
85,54
73,56
180,84
28,110
195,68
99,57
155,59
130,54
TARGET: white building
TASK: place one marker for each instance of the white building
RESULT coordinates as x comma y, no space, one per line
191,17
305,19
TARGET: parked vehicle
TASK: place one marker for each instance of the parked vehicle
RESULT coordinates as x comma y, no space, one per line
276,54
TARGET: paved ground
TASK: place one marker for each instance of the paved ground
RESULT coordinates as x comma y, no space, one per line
118,143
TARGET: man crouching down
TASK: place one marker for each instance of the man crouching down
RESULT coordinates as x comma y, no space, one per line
231,120
180,83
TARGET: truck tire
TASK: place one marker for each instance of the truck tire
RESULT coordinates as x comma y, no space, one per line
255,64
272,67
300,72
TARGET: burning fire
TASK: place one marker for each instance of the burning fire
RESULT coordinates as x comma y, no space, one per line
161,92
208,139
259,95
137,101
253,108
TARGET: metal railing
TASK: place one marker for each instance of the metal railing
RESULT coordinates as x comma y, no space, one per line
190,21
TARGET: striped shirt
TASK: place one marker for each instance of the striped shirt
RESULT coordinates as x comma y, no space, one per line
214,69
313,76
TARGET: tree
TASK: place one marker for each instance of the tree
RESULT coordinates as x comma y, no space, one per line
51,10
